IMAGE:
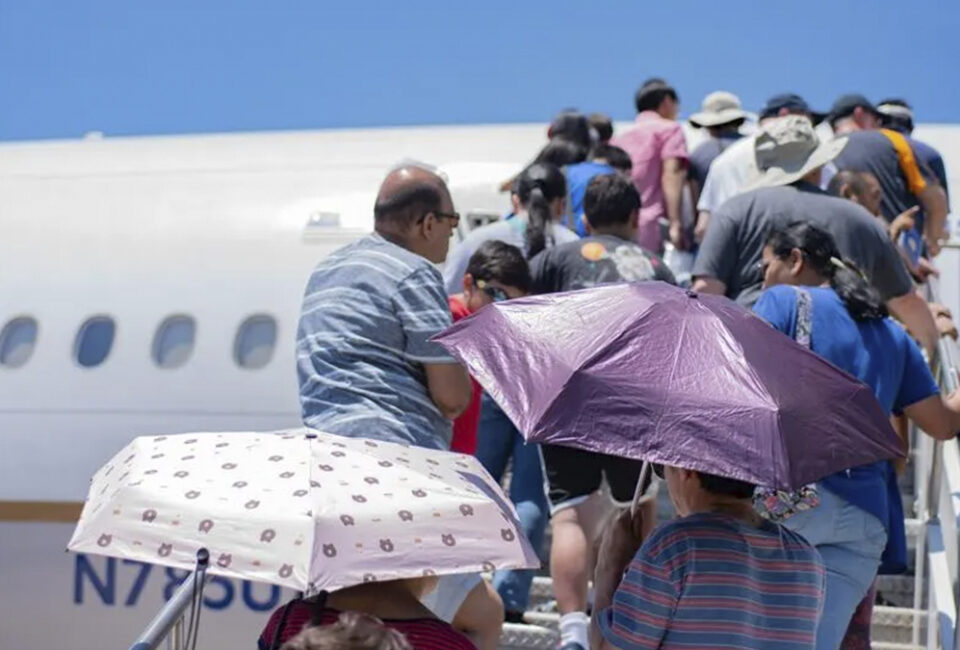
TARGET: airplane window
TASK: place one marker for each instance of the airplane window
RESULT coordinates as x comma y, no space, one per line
173,342
256,339
17,341
94,341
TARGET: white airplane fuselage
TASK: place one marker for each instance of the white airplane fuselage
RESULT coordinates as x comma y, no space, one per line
136,230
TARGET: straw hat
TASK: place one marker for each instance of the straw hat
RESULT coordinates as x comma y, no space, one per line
788,149
718,108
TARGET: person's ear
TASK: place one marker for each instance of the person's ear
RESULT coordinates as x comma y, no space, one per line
467,285
635,219
796,261
587,225
515,206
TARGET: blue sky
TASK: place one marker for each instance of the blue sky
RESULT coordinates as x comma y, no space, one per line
126,67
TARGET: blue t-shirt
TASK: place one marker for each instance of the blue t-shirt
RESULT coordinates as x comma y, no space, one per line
578,177
881,354
369,311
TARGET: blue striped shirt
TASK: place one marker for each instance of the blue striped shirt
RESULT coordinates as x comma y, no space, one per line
711,581
368,313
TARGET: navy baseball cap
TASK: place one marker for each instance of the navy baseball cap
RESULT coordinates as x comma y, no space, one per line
847,104
793,103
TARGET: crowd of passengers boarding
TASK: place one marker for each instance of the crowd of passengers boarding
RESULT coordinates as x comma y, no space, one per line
825,237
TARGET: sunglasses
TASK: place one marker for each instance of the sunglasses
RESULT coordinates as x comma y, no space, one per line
658,470
452,216
496,294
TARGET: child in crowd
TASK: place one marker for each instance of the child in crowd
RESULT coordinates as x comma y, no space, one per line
497,271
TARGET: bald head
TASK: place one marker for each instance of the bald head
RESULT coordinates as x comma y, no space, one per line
414,210
406,194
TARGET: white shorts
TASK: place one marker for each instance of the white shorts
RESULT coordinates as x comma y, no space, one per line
451,591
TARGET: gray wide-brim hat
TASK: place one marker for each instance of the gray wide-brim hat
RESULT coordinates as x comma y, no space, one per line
788,149
718,108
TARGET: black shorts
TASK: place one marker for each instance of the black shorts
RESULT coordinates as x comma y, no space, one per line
574,474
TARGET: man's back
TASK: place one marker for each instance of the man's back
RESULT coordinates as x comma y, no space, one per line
729,173
711,581
368,312
872,151
733,246
706,153
597,259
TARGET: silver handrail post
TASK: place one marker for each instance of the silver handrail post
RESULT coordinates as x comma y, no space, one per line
168,623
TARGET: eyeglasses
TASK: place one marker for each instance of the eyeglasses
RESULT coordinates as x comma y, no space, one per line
496,294
658,470
454,217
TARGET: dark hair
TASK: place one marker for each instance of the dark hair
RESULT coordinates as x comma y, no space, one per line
536,187
863,302
602,125
847,178
408,205
499,261
352,631
610,199
615,157
561,152
571,125
723,486
652,93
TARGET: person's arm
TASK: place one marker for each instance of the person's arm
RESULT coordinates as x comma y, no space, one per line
423,311
718,256
672,178
937,416
912,310
700,229
619,544
449,387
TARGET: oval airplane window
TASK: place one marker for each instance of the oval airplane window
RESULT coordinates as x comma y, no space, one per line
256,339
173,343
17,341
94,341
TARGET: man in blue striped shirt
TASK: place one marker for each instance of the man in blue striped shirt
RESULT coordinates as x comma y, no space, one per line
719,576
365,362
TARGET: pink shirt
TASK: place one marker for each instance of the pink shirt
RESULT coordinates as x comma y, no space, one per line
649,143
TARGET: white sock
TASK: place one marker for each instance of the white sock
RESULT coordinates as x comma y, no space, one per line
573,628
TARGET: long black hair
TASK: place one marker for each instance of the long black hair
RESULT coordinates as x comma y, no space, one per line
537,186
863,302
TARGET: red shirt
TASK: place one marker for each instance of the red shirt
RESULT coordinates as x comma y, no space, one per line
465,427
422,633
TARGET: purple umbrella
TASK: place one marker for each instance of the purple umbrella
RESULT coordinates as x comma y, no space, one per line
653,372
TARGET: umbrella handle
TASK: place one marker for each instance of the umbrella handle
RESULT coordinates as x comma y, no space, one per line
638,492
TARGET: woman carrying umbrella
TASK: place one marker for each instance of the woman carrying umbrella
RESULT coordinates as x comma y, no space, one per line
858,524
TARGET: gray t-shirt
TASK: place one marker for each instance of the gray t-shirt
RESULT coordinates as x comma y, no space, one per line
872,151
733,246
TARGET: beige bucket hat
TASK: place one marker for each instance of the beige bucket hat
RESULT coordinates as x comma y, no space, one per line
788,149
720,107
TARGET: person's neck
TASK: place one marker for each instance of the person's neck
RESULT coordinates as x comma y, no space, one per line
845,126
382,599
619,233
741,509
396,238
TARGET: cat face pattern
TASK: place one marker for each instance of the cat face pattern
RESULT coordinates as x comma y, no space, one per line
392,505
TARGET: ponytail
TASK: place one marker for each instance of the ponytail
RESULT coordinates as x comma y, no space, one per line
537,187
539,218
862,300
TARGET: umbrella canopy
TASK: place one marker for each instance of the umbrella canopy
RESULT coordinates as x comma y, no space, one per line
653,372
300,509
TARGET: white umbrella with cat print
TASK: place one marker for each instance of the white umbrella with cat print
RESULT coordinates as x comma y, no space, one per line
301,509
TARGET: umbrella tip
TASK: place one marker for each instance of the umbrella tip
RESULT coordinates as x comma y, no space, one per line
692,294
311,435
